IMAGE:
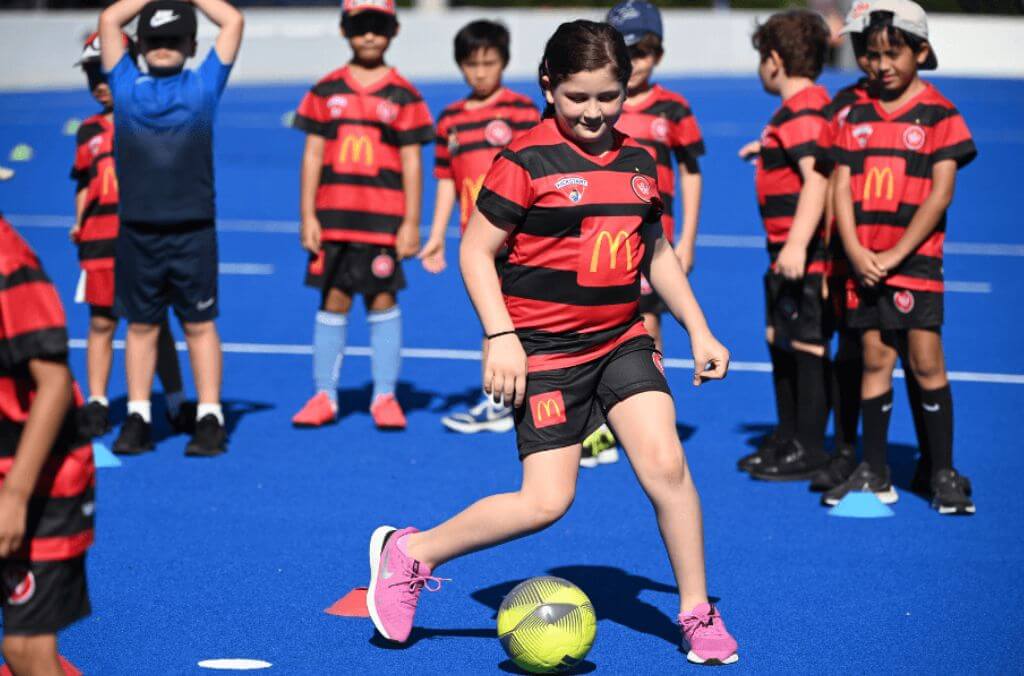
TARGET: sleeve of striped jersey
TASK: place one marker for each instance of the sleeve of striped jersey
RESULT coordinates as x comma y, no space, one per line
414,124
824,156
507,192
442,156
687,142
312,116
843,147
800,134
32,324
953,141
80,167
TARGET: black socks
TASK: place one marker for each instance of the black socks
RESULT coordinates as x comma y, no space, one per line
784,380
876,412
812,401
936,413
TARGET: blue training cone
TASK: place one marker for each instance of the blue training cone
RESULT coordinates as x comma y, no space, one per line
861,505
103,457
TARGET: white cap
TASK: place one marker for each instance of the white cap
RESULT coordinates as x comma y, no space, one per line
907,15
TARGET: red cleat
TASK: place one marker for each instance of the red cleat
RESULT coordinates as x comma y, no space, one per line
387,414
317,412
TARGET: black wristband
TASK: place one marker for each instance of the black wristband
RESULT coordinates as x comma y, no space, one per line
500,333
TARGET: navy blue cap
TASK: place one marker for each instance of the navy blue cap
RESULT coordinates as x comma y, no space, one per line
635,19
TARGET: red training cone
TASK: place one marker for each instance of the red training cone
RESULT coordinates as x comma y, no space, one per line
353,604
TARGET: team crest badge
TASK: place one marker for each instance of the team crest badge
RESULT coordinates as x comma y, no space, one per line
862,134
383,266
659,362
336,105
95,143
498,133
572,187
387,112
19,584
904,301
659,128
643,187
913,137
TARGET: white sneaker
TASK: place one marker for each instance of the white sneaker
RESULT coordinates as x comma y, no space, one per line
484,417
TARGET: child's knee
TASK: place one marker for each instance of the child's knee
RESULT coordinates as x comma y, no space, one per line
548,507
336,301
194,330
664,465
381,302
928,369
102,326
878,358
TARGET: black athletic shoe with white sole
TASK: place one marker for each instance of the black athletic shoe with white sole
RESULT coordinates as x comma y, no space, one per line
951,493
210,438
865,480
135,437
792,463
765,453
840,466
93,420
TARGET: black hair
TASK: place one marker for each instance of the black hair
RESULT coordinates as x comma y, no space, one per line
579,46
799,36
859,44
649,44
881,22
478,35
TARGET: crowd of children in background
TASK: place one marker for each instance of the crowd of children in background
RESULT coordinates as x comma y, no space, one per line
853,192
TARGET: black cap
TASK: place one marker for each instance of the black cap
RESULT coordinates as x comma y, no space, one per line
167,19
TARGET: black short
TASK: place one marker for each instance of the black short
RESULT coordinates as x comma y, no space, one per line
354,268
563,406
102,311
886,308
157,266
43,597
650,302
796,310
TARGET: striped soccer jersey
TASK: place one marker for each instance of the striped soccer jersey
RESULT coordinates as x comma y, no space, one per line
93,171
360,196
579,230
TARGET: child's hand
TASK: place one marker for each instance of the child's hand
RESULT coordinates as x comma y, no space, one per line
889,259
75,232
407,240
748,151
710,358
13,509
505,370
791,262
432,256
867,267
309,234
684,252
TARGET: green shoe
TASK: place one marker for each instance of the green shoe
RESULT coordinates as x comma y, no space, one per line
600,448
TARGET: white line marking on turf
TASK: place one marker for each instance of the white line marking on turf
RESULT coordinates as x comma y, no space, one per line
474,355
968,287
234,664
705,240
246,269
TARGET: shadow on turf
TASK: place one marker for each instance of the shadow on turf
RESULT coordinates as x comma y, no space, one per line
234,411
584,667
357,400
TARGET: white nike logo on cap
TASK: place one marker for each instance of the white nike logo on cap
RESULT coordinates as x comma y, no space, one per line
162,17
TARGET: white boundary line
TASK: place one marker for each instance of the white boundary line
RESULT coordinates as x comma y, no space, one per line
474,355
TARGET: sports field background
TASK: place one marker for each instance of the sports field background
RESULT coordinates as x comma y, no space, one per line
238,556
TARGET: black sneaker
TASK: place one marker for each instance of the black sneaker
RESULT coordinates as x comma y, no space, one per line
792,463
863,479
209,439
951,493
185,421
921,482
840,467
134,438
93,420
765,453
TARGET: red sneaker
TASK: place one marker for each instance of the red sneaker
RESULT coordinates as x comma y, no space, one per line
317,412
387,414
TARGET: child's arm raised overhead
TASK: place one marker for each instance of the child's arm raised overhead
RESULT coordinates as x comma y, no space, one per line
670,282
52,397
505,366
925,218
112,19
231,23
432,253
408,241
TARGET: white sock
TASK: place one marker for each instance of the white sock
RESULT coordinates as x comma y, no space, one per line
174,401
203,410
100,399
142,407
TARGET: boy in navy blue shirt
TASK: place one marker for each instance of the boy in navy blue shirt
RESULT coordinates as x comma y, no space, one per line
167,247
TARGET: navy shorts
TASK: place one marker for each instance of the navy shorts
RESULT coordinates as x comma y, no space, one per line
42,597
157,266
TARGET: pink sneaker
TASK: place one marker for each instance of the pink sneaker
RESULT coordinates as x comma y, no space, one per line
396,581
387,413
317,412
708,640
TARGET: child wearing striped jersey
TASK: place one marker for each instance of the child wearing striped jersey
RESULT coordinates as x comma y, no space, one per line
579,203
898,156
360,204
470,133
47,476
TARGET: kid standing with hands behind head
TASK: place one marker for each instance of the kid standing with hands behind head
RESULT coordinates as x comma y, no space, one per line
578,202
470,133
360,205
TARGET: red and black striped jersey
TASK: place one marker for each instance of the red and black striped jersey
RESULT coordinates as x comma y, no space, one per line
579,229
469,139
665,125
836,111
891,156
360,196
793,133
93,171
60,511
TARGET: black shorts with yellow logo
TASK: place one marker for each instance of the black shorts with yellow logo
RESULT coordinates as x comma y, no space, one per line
564,406
42,597
796,309
354,268
890,309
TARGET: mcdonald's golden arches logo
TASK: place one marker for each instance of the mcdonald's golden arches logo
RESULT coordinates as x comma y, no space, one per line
615,242
547,409
467,198
357,149
108,180
882,180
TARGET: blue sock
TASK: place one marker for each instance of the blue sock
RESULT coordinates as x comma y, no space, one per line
386,349
328,348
